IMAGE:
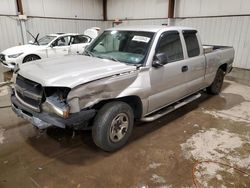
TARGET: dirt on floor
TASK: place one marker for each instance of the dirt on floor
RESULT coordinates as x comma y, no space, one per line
204,144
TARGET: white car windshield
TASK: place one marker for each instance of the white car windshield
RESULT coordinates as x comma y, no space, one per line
124,46
45,40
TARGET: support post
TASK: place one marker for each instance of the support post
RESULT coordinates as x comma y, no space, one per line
19,7
171,4
104,10
22,18
23,30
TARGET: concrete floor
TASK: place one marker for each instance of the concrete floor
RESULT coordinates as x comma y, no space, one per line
160,154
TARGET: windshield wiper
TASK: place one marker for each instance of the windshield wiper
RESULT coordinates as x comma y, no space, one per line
108,57
86,52
112,58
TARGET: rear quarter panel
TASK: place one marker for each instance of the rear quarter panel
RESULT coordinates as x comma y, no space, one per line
218,57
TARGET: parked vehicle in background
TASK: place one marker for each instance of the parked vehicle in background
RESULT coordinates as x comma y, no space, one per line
52,45
128,73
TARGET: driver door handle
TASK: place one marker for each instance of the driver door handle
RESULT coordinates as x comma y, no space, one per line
184,68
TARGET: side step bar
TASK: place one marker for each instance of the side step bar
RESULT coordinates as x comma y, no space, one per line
171,108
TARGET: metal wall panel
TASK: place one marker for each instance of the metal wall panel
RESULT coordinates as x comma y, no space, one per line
196,8
10,32
46,26
8,7
83,9
230,31
137,9
145,22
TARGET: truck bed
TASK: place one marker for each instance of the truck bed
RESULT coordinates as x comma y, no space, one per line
216,56
211,48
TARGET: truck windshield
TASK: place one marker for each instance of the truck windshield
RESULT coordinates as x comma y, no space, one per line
124,46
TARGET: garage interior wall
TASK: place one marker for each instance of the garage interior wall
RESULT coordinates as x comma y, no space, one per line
48,16
138,12
10,34
223,22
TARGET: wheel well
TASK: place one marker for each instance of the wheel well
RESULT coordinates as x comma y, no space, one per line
133,101
223,67
31,55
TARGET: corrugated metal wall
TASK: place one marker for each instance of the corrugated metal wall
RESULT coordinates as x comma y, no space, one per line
10,32
137,9
230,31
83,9
145,22
195,8
48,16
8,7
45,25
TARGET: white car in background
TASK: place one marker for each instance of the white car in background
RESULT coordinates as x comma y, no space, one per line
52,45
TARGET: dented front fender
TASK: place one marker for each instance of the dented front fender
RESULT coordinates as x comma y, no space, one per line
91,93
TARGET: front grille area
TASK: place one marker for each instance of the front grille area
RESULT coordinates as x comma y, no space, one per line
2,57
28,100
30,93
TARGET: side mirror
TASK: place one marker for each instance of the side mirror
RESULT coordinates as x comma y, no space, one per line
160,59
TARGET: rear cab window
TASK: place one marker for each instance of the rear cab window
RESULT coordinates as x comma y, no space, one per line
191,41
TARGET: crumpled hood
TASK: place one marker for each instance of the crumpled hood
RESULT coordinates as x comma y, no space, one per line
72,70
22,49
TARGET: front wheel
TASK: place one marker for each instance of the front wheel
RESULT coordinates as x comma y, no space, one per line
30,58
216,86
113,126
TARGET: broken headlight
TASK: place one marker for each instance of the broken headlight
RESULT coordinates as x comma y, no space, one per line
55,101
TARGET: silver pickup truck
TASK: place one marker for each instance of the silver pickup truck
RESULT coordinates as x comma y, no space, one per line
126,74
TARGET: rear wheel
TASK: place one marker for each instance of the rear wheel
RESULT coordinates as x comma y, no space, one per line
30,58
113,126
216,86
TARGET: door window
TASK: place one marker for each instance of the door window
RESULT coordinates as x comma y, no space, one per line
192,44
62,41
170,45
80,39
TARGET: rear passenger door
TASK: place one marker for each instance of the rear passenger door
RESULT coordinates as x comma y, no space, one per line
195,61
168,82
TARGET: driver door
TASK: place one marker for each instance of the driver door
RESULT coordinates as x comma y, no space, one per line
168,82
59,47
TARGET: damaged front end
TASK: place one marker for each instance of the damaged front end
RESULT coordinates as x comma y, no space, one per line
64,106
45,106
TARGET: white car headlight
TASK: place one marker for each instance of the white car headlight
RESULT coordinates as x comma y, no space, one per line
14,55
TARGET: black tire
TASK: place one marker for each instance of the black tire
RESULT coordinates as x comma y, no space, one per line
30,58
216,86
106,126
